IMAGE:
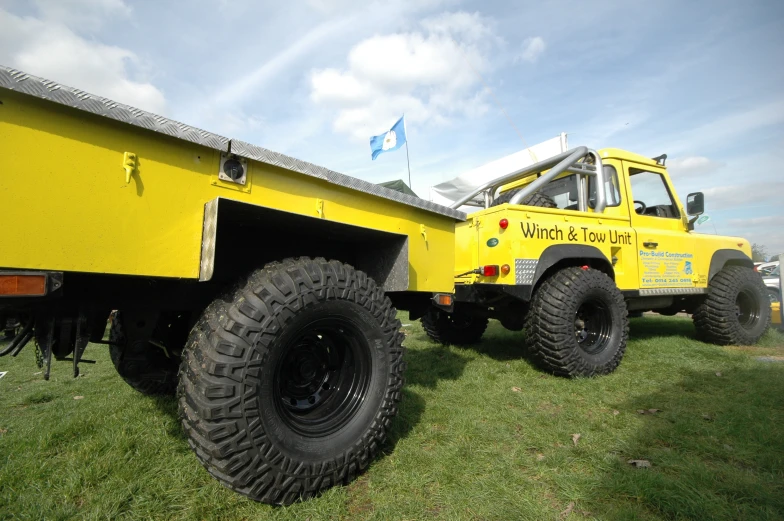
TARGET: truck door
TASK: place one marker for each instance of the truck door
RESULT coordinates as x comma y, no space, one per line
665,249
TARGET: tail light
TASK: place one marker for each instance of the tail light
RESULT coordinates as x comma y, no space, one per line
490,271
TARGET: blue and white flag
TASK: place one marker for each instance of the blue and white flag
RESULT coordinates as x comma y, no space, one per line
389,141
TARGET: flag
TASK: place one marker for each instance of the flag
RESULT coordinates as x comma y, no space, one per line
391,140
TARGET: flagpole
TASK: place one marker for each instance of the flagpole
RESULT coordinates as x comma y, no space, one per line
408,162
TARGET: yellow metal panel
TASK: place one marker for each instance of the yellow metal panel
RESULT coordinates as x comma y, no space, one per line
67,205
531,231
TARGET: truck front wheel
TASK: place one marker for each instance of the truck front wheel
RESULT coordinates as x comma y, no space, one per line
736,310
289,385
577,325
453,328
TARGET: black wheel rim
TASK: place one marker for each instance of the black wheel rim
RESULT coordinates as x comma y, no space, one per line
593,326
747,307
323,377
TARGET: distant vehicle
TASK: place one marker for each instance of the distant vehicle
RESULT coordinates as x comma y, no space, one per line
764,268
772,283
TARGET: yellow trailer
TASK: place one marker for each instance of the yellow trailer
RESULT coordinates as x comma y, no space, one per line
268,284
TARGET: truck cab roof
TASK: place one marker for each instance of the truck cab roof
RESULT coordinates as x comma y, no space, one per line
617,153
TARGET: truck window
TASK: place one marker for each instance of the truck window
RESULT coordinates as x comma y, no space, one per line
563,191
612,193
651,195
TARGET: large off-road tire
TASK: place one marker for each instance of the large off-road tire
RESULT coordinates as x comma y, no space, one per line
736,310
289,385
145,367
453,328
578,324
534,199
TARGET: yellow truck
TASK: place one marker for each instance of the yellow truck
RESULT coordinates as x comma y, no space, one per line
566,248
263,290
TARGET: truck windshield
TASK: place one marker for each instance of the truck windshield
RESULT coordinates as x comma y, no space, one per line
564,190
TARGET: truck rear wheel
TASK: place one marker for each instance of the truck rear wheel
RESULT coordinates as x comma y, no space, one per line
578,323
736,310
289,385
453,328
145,367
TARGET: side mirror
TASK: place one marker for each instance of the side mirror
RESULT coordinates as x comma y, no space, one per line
695,203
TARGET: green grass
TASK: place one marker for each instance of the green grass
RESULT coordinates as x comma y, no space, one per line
465,445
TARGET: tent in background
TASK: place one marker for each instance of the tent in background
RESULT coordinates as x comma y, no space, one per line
400,186
450,191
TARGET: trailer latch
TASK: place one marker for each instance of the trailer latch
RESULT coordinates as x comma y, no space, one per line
129,164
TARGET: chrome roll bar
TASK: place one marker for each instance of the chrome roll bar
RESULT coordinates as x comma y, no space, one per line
568,161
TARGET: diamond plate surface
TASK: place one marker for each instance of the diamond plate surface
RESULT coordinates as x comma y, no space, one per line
209,235
525,270
672,291
303,167
41,88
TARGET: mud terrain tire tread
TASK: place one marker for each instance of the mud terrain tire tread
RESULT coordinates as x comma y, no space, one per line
550,330
223,371
715,319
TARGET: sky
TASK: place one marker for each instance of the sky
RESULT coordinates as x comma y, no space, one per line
702,81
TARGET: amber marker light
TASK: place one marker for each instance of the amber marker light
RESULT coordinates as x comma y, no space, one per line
505,269
22,285
444,299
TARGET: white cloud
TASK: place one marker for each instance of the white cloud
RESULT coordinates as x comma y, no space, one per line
767,231
733,196
423,74
332,6
52,50
81,14
241,88
533,48
726,128
777,220
692,166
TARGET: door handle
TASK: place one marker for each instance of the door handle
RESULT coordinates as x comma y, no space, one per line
650,244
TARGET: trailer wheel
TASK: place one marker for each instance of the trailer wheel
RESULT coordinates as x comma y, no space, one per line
578,323
145,367
453,328
736,310
535,199
289,385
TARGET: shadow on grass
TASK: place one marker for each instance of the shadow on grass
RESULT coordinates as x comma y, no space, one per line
168,406
657,327
716,450
426,367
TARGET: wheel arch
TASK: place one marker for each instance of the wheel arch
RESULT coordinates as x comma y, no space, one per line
728,257
238,237
559,256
